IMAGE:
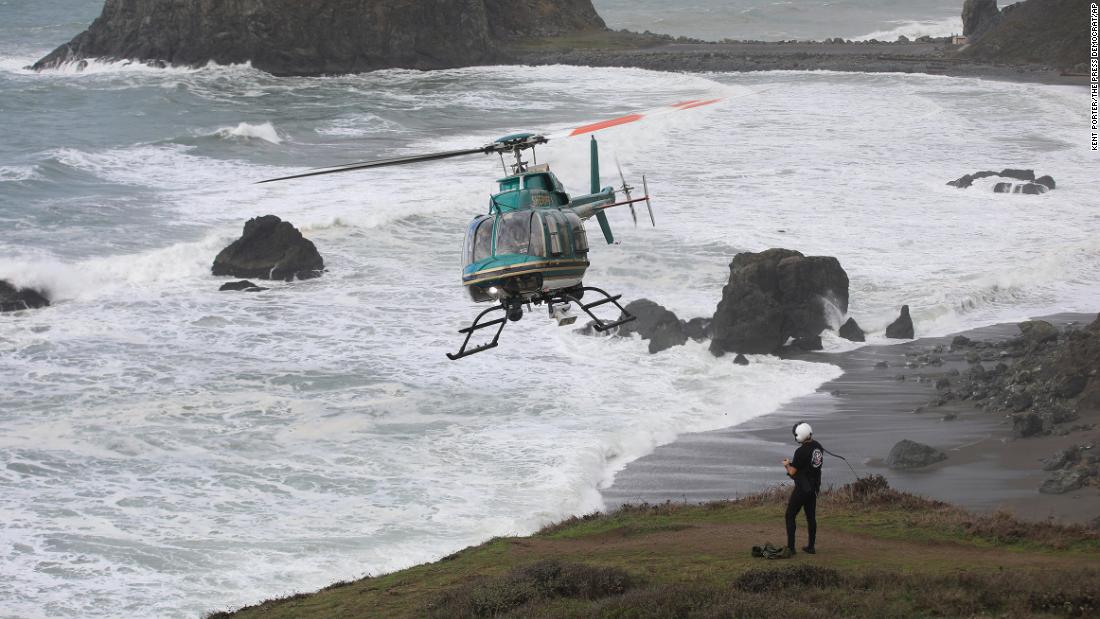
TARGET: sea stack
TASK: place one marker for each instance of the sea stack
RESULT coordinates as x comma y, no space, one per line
774,295
291,37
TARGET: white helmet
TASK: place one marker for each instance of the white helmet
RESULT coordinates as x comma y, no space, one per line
802,432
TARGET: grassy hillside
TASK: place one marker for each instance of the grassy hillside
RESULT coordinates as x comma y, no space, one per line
881,553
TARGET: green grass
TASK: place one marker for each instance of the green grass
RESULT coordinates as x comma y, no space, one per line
882,553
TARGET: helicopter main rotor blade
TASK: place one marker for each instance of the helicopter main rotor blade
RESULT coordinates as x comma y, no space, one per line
381,163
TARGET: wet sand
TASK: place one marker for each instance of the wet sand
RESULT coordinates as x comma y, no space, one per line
860,416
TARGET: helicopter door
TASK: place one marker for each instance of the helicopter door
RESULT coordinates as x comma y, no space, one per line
556,230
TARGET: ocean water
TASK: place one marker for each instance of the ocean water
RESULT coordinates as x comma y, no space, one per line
774,20
166,449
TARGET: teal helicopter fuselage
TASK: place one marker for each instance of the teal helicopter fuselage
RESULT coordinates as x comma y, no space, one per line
532,241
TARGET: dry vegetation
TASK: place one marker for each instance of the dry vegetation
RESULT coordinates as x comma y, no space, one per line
882,553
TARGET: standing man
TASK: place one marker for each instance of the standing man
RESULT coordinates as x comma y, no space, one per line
805,470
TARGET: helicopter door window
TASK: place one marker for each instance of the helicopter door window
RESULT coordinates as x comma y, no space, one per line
483,240
513,233
580,236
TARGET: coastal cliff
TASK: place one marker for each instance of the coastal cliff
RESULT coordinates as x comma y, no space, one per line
289,37
1046,32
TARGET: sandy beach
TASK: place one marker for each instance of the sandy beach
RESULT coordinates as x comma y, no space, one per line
861,415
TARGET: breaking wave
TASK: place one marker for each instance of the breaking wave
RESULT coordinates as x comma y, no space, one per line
245,131
915,29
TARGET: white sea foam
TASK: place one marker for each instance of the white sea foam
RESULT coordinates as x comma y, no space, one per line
17,173
914,29
263,131
178,443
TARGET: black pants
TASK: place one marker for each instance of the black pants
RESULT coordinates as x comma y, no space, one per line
802,500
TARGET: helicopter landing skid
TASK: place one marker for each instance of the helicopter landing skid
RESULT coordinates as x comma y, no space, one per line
599,324
477,326
513,311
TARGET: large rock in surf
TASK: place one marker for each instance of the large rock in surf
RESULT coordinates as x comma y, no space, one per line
292,37
909,454
270,248
775,295
654,323
14,299
902,328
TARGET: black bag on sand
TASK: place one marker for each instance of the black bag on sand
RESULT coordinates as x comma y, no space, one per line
771,551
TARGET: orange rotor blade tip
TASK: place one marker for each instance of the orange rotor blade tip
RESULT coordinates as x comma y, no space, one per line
604,124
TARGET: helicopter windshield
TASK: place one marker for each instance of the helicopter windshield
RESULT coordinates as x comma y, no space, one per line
514,234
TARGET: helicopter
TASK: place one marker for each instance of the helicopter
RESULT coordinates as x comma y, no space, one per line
531,247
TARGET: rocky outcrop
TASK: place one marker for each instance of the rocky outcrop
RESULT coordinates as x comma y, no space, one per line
1072,468
909,454
1031,185
902,328
850,331
1051,386
659,326
1052,33
270,248
13,299
978,16
774,295
291,37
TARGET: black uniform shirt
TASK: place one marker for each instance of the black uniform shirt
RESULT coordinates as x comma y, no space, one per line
807,460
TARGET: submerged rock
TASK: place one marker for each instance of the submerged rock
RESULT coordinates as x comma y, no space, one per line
14,299
740,359
774,295
1046,181
270,248
654,323
909,454
1032,189
850,331
902,328
242,286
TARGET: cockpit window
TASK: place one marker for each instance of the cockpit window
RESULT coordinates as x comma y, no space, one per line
513,233
483,240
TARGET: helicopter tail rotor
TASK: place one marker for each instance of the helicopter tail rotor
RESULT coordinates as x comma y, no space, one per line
648,204
626,189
